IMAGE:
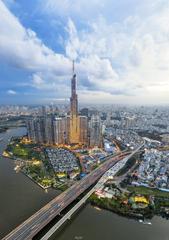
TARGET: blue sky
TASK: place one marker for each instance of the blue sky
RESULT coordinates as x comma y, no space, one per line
121,49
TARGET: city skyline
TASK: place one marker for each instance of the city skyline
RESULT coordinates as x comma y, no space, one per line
119,57
72,128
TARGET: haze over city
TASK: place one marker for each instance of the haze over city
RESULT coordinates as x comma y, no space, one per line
121,50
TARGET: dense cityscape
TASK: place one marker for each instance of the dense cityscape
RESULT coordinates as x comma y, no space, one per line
63,145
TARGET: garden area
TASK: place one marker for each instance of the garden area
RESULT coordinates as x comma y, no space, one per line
23,150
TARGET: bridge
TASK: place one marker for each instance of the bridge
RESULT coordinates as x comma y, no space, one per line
99,185
28,229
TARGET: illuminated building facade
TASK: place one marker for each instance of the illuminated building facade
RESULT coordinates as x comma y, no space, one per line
78,124
74,118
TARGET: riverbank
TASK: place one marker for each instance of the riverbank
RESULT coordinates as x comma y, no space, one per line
3,129
121,209
91,224
132,203
29,158
20,197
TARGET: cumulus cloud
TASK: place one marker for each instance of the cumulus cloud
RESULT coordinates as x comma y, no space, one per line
11,92
73,43
22,48
131,56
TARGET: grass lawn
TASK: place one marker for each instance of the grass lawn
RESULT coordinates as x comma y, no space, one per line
25,151
19,151
148,191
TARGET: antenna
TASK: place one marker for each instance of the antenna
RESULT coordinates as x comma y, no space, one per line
73,66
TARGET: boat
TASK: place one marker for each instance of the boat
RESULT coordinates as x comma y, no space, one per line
97,208
147,222
144,222
17,168
1,139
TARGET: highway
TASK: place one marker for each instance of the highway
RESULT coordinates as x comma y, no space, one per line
112,171
69,214
29,228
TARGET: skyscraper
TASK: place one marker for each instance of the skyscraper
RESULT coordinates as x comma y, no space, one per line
31,129
73,98
36,129
61,130
49,133
78,132
74,119
95,128
83,130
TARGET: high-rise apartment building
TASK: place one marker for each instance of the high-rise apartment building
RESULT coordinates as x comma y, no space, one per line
95,130
31,129
36,129
49,130
83,127
61,130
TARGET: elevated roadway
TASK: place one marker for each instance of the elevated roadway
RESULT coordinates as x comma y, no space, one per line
28,229
100,183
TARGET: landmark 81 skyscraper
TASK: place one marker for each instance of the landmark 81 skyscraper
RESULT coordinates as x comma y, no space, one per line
74,119
73,98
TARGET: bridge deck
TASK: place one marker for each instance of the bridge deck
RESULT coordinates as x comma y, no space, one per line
29,228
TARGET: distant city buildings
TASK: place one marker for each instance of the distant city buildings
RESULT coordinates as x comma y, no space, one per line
153,170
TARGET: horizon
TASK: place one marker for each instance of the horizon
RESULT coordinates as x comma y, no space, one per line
121,52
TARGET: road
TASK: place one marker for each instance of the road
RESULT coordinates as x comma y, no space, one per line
29,228
111,172
69,214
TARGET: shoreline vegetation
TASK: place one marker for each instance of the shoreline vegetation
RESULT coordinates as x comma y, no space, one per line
31,160
135,202
3,129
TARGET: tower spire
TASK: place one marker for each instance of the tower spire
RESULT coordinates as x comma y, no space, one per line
73,99
73,66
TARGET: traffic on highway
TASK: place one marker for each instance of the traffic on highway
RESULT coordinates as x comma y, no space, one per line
29,228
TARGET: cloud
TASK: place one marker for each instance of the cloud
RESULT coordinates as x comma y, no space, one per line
11,92
22,48
37,80
125,58
73,43
74,8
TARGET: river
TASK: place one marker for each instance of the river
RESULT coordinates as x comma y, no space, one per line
92,224
20,198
